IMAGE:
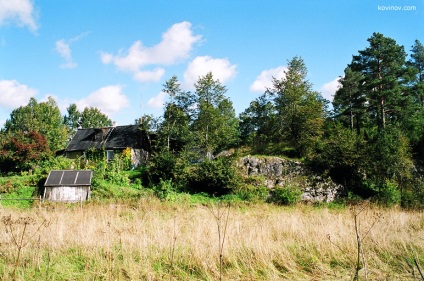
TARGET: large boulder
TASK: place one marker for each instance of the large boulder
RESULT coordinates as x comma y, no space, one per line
280,172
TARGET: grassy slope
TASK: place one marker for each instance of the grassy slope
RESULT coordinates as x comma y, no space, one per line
263,242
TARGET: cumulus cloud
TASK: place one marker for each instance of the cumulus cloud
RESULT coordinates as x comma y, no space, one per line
20,12
176,44
264,80
221,69
109,100
13,94
63,48
329,89
149,76
157,101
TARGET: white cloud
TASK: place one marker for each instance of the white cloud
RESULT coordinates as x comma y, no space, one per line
176,44
13,94
264,80
63,48
65,52
109,100
157,101
153,75
329,89
106,58
20,12
221,69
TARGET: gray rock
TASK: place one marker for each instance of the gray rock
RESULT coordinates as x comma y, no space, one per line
280,172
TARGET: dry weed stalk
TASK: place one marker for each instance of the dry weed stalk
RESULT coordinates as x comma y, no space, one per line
174,240
20,235
221,215
361,262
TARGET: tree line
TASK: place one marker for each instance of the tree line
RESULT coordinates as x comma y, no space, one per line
370,138
36,131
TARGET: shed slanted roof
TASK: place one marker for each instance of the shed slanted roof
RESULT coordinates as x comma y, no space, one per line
119,137
69,178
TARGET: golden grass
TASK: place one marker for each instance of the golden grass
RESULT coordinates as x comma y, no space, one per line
263,242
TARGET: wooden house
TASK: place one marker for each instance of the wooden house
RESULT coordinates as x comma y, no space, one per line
68,185
111,140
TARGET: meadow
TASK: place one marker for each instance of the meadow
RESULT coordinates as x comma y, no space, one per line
149,239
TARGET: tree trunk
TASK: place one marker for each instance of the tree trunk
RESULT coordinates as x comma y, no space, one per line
383,113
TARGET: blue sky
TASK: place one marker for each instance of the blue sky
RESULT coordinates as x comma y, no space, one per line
116,55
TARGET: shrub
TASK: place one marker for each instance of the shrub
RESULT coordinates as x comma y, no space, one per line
389,194
253,193
215,177
413,196
164,190
286,196
162,166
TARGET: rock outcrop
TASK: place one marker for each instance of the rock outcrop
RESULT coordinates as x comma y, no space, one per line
279,172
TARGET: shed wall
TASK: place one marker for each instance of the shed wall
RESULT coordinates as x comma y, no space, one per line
67,193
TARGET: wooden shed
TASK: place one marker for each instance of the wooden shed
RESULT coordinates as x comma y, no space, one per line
68,185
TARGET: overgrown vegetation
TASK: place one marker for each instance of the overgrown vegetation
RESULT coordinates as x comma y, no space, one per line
370,140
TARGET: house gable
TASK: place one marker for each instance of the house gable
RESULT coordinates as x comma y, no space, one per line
109,138
112,139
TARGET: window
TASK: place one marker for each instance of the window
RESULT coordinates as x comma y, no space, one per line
109,155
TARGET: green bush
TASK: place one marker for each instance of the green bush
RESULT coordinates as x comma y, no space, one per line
215,177
253,193
286,196
413,196
164,190
389,194
162,166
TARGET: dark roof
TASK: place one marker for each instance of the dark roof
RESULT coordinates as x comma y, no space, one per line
69,178
119,137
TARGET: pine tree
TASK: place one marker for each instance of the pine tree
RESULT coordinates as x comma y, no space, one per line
349,99
383,66
300,110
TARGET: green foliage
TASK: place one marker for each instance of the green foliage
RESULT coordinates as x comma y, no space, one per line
55,163
174,130
214,124
92,117
387,156
43,118
257,122
349,100
300,110
215,177
252,193
413,196
382,64
162,166
389,194
165,190
19,191
104,189
339,156
286,195
72,119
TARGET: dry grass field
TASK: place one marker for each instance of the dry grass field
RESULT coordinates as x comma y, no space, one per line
153,240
